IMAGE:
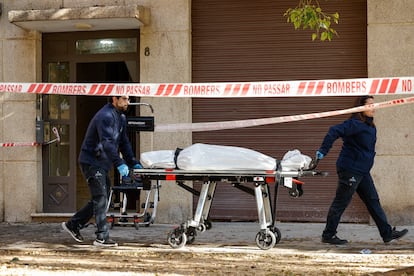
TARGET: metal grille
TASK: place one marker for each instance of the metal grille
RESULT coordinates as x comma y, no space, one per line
251,41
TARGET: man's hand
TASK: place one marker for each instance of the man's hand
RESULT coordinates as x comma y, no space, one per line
123,170
137,166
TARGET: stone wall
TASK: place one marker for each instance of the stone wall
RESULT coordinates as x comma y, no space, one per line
391,53
20,168
168,40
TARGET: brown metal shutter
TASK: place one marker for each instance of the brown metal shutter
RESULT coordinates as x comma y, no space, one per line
240,40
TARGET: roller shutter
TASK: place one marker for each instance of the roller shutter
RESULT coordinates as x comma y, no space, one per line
239,40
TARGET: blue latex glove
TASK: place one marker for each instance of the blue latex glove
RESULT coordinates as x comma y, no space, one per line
123,170
137,166
319,155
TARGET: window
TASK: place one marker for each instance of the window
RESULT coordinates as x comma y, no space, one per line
106,46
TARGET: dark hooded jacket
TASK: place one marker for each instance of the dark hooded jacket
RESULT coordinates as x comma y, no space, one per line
358,148
105,138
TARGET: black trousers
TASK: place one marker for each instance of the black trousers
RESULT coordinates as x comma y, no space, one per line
363,185
99,184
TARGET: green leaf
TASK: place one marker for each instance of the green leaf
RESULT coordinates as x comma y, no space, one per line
329,36
296,24
309,15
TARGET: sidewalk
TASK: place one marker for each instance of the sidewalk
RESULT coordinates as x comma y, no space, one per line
221,234
228,248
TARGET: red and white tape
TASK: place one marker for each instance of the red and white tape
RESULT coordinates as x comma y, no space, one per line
28,144
18,144
344,87
195,127
341,87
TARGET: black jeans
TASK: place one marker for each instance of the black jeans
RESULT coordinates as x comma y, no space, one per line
348,184
99,184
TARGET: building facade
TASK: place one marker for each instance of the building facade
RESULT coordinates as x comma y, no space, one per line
53,41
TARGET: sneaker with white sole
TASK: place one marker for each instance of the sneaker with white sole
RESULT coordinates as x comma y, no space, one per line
73,232
105,243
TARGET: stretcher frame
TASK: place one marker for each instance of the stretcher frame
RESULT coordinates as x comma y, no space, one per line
138,124
143,218
268,236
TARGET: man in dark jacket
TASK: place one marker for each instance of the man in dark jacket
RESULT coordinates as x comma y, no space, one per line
354,164
105,139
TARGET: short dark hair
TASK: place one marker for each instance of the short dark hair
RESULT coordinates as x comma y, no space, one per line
110,100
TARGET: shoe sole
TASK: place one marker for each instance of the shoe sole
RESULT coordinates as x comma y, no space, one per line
70,232
345,243
104,245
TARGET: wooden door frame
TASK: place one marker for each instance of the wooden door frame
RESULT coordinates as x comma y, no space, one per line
60,47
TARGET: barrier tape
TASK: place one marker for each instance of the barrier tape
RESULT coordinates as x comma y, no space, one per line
344,87
26,144
341,87
195,127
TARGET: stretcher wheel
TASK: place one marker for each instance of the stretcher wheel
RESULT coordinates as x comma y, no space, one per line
136,222
202,227
296,192
208,225
265,239
148,219
177,238
191,235
111,221
277,233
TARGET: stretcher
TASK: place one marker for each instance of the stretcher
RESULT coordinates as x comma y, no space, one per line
134,184
136,219
269,235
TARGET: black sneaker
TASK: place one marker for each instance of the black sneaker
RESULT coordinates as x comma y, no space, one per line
334,240
73,232
395,235
105,243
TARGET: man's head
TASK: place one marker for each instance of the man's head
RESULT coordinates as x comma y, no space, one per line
120,102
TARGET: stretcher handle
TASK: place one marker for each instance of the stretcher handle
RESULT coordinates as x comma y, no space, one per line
313,173
144,104
313,164
311,170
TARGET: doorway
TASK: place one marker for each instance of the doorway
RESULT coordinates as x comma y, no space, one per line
79,58
87,106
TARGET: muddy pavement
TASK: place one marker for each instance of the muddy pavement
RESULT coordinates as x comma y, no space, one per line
227,248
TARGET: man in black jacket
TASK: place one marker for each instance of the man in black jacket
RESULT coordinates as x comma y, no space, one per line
105,138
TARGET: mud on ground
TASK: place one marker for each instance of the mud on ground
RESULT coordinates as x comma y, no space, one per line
225,249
